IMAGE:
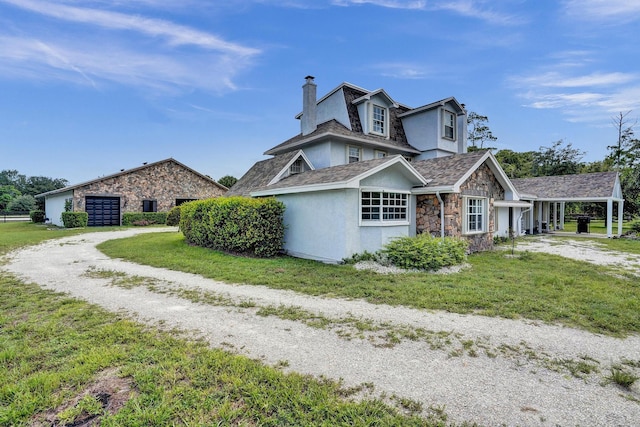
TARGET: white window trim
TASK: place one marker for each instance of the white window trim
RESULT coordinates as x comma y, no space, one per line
297,166
485,215
445,116
381,222
380,154
385,122
359,153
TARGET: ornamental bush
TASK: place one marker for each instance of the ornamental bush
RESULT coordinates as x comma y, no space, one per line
37,216
235,224
425,252
144,218
173,217
74,219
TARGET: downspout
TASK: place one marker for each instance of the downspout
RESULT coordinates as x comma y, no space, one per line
522,212
441,214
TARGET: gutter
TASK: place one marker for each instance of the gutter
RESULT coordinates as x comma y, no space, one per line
441,214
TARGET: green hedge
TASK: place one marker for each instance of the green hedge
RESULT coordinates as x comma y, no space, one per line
144,218
173,217
235,224
426,252
37,216
74,219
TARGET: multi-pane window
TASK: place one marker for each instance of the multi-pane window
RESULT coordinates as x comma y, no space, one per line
476,215
381,206
378,120
449,125
353,154
297,166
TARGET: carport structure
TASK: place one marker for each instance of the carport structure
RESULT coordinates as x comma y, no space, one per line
548,196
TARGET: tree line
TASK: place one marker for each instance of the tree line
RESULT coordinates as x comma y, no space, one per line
17,191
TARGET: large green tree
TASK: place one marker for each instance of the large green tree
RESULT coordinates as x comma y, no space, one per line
559,159
31,185
7,194
228,181
515,164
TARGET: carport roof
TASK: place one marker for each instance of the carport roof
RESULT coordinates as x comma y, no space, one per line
585,187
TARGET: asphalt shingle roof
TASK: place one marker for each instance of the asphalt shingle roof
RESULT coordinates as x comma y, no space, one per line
446,171
580,186
330,175
260,174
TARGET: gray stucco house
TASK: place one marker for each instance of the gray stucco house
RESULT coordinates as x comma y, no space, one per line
366,169
152,187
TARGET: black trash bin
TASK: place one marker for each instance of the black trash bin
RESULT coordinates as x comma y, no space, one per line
583,224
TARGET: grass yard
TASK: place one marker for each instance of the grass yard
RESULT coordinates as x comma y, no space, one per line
17,234
534,286
66,362
62,360
596,226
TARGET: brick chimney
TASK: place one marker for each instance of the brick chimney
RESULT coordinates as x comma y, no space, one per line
309,103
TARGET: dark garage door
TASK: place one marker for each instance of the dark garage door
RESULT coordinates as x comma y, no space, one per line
103,211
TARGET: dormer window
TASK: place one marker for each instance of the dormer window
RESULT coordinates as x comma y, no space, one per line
379,120
297,166
449,121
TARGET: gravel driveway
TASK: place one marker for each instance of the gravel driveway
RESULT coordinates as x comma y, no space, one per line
478,369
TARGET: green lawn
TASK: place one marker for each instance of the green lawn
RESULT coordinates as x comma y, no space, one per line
533,286
55,351
62,360
596,226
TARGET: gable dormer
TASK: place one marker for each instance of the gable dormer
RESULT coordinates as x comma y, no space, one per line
299,163
374,112
437,129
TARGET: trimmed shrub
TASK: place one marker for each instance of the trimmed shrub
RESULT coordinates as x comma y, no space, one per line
173,217
37,216
144,218
425,252
235,224
74,219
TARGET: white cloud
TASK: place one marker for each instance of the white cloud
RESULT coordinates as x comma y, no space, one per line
468,8
106,46
402,70
81,63
587,97
557,79
175,34
597,10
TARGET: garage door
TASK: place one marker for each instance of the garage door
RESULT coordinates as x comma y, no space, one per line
103,211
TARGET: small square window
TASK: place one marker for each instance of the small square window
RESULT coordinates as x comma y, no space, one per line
149,206
353,154
378,154
297,166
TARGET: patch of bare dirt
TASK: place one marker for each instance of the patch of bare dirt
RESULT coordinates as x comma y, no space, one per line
112,391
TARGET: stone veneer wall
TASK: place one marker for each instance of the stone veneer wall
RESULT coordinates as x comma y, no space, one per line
482,183
164,182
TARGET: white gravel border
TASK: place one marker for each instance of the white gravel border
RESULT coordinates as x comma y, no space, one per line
489,391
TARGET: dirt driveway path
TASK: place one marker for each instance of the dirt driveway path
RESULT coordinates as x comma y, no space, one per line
479,369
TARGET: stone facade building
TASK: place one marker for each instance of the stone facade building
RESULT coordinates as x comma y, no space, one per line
153,187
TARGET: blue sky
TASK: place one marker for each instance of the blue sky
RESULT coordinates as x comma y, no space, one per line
89,87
